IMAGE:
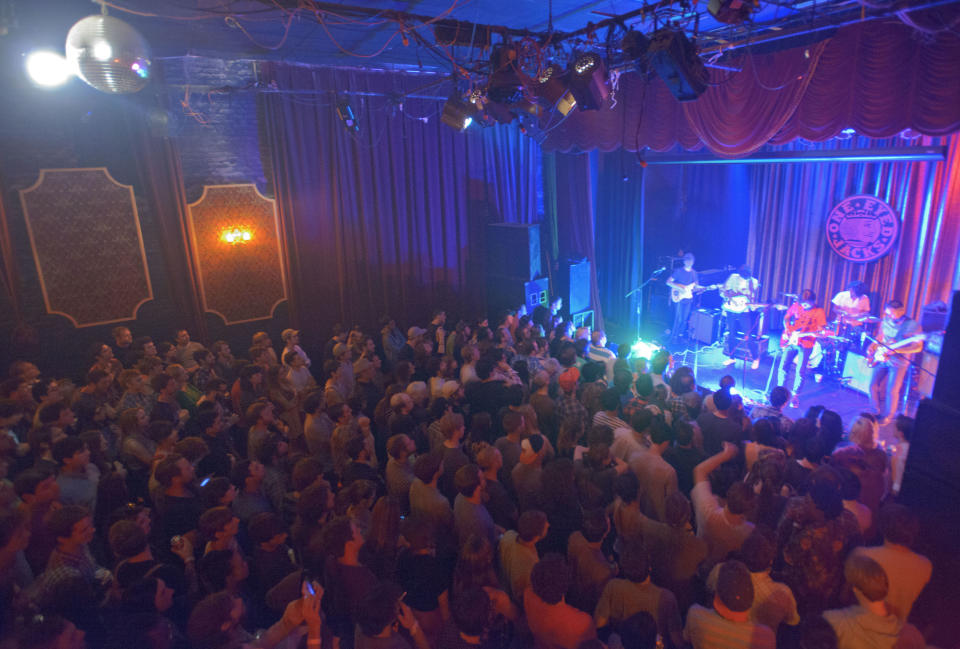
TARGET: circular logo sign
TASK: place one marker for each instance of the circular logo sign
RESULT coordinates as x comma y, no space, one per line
862,228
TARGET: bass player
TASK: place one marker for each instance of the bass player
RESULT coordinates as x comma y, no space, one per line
802,323
900,333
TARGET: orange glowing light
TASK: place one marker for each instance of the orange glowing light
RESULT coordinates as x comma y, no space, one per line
236,235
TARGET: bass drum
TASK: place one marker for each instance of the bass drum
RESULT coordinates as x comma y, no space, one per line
816,356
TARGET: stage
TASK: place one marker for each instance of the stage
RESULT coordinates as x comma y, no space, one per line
829,392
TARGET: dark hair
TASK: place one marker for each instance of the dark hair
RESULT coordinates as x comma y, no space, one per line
305,472
60,522
336,534
160,382
471,611
610,399
205,626
213,491
484,368
722,399
641,420
817,633
659,362
639,631
806,295
51,412
660,432
627,486
66,448
354,447
215,568
899,525
894,304
758,551
127,539
427,466
378,608
264,526
644,385
206,418
595,525
904,424
634,561
530,524
159,430
167,469
213,520
313,401
778,396
550,578
240,473
467,479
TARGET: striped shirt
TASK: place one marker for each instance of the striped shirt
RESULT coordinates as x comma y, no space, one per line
706,629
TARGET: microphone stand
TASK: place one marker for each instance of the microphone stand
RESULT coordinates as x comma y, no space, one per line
653,276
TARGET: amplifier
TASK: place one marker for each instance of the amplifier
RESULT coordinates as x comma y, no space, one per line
583,319
705,325
856,374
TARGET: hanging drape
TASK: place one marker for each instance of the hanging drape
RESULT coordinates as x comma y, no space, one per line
9,279
788,248
569,202
879,78
157,162
390,219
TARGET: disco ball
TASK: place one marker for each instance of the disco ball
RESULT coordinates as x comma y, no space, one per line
109,54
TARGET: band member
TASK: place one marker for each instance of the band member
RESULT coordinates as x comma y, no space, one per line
739,292
682,279
886,383
853,304
802,321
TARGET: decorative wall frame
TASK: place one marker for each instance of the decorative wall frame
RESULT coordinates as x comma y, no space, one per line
235,237
85,235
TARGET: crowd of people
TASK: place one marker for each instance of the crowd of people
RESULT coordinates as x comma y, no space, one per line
447,487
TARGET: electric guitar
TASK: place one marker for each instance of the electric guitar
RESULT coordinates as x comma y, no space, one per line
789,339
877,354
687,291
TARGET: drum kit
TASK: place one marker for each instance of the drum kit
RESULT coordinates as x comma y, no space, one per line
840,335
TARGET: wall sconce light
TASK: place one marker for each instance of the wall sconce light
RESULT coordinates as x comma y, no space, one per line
236,235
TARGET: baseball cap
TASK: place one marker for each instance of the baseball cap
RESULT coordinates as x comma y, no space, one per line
289,333
734,587
413,332
568,379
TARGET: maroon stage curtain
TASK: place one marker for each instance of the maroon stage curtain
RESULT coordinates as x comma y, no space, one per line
9,279
879,78
788,248
392,219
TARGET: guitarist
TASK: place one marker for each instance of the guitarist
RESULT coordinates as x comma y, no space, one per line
801,323
886,382
680,279
739,292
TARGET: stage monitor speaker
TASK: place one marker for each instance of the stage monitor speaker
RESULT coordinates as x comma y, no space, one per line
931,478
946,389
574,285
675,59
513,250
856,374
537,293
926,376
705,325
933,316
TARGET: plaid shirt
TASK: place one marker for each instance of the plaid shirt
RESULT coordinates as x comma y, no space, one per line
570,409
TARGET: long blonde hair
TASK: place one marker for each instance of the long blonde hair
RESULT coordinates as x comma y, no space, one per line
864,432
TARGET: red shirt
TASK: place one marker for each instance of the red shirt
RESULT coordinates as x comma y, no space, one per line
556,626
799,319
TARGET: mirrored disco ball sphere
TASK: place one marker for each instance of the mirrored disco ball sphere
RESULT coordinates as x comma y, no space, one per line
109,54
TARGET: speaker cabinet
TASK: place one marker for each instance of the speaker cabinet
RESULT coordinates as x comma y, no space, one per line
946,389
513,250
856,374
574,285
583,319
675,59
705,325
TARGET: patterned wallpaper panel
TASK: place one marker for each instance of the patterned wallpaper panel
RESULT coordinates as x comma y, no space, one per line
241,280
85,233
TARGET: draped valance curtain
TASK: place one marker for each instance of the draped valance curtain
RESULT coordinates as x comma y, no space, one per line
390,219
879,78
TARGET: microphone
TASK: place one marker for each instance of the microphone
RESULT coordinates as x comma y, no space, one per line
660,270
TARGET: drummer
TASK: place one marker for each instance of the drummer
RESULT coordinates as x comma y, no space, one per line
851,307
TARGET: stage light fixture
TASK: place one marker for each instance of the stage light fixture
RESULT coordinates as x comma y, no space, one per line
643,349
236,235
588,81
109,54
47,69
457,113
551,90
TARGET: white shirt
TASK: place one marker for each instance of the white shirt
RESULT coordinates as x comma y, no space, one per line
845,300
737,284
605,356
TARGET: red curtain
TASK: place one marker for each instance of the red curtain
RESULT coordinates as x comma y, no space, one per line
788,248
879,78
9,279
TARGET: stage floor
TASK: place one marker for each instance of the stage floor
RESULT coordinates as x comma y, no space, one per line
752,384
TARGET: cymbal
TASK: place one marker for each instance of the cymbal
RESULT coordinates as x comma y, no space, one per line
870,319
780,307
793,295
